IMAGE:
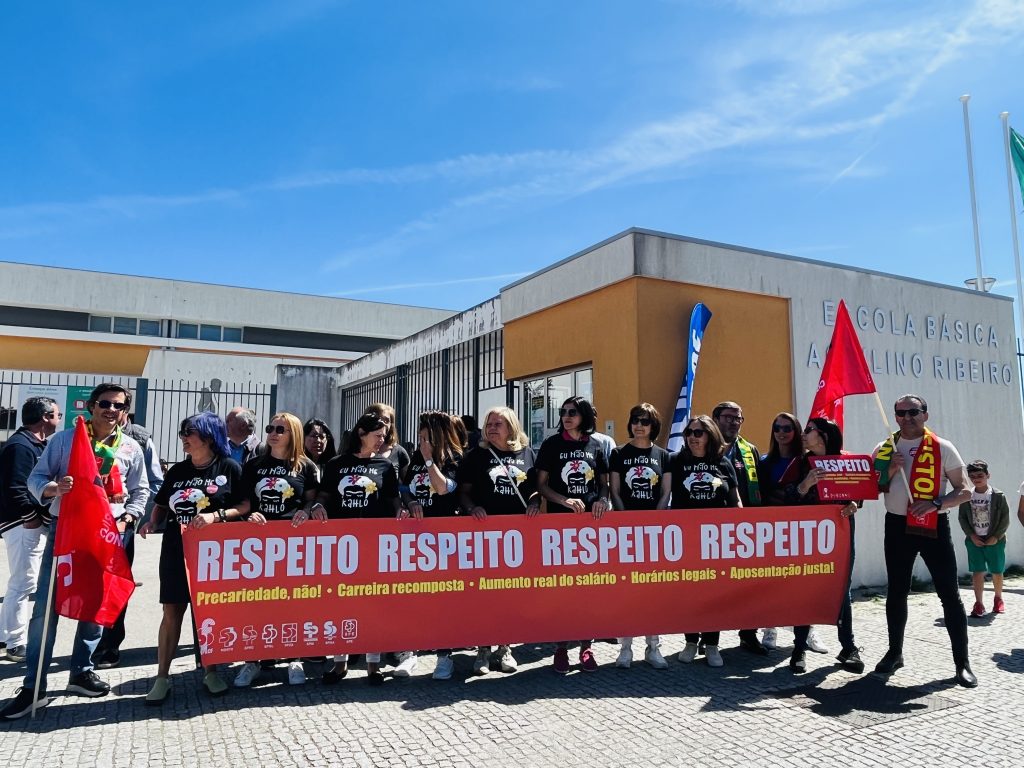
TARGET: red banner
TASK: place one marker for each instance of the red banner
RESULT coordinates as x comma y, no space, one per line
847,478
357,586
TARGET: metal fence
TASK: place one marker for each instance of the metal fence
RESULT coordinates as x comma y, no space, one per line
159,404
451,380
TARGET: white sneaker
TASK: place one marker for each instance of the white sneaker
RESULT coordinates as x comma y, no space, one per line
653,657
506,661
713,656
296,674
688,654
814,644
770,638
444,668
247,674
481,664
625,657
406,664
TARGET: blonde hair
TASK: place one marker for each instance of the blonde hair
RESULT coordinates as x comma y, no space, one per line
296,451
517,438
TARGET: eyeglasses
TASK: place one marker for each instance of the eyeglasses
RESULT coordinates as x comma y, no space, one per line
811,430
279,429
698,432
187,432
903,412
784,428
729,417
110,404
51,415
562,412
643,421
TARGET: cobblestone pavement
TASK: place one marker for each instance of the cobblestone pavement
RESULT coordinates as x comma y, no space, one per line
751,712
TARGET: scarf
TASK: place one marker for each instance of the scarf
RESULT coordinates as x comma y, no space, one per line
106,454
750,464
924,480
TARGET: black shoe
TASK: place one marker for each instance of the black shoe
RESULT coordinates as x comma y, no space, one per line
798,662
88,684
892,661
21,704
965,677
753,645
334,675
851,660
375,678
107,659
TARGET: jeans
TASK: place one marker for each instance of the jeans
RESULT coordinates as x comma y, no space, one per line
24,552
87,637
901,550
845,623
114,636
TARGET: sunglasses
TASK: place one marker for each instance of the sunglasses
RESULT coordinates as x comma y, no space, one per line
901,412
567,412
643,421
784,428
51,414
698,432
279,429
187,432
811,430
110,404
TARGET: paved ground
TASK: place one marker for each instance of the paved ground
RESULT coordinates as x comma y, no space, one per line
752,712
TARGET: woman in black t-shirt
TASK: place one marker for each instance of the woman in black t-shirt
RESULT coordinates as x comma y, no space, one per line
278,482
702,478
572,475
498,479
638,481
392,449
203,489
318,443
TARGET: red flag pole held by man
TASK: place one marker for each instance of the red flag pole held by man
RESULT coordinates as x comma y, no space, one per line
91,579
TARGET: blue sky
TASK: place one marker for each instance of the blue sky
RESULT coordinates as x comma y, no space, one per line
429,153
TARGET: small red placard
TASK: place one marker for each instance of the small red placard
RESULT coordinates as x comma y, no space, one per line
847,478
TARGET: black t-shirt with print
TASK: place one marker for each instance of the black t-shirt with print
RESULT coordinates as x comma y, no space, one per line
573,468
492,485
359,487
273,489
699,483
640,473
434,504
188,491
400,458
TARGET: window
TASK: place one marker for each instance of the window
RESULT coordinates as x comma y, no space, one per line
559,389
99,324
126,325
209,332
233,334
149,328
543,397
188,331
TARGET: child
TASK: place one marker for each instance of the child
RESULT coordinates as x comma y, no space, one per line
985,519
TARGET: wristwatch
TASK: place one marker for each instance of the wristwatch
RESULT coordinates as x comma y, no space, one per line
428,463
937,502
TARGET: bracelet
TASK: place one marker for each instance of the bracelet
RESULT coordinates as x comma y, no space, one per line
223,517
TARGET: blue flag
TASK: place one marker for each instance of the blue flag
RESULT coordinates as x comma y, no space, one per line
699,319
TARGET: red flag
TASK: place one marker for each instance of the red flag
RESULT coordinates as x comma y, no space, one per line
94,580
845,371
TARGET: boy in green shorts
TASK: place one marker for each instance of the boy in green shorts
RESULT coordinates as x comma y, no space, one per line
985,519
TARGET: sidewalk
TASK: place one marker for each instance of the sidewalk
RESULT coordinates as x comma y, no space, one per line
751,712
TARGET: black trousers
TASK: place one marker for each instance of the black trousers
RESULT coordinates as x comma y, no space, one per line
901,550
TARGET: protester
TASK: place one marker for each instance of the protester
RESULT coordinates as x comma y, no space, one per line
120,464
777,471
392,450
572,475
702,478
639,481
822,437
985,520
318,443
915,457
24,522
204,489
473,434
242,438
499,479
278,483
743,456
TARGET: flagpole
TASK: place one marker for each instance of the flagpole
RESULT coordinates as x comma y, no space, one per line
980,286
46,628
1005,117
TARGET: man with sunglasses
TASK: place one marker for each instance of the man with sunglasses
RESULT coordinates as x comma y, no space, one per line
915,457
24,522
127,491
743,456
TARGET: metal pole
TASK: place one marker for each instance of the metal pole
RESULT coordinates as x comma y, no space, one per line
974,200
1005,117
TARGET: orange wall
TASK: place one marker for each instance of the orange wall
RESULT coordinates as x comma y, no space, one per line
634,332
64,356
